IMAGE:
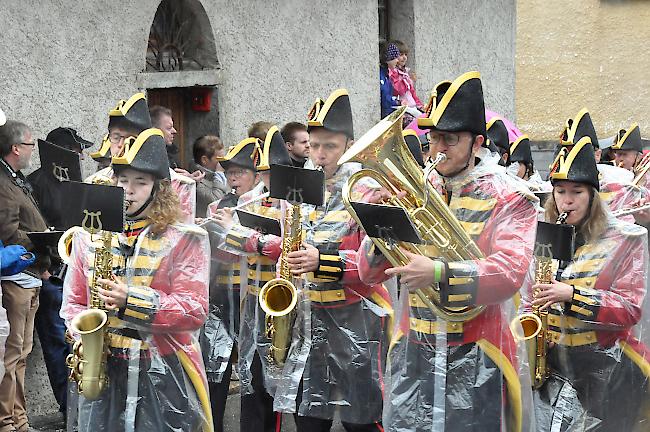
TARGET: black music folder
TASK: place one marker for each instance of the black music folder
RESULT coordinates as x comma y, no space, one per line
59,163
263,224
555,241
389,223
297,185
94,207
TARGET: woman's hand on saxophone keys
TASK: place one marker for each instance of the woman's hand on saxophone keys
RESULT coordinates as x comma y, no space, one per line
304,260
548,294
115,296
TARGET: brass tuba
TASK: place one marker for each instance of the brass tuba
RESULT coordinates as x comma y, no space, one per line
387,159
87,362
278,297
534,325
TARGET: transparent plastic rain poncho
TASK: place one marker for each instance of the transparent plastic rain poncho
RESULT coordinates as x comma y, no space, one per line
184,187
156,378
621,196
599,356
237,242
349,320
340,334
461,376
219,335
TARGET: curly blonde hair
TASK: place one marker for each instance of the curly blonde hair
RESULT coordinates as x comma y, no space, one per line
164,209
596,223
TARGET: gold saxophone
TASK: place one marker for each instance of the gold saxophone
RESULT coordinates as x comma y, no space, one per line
87,362
534,325
387,159
278,297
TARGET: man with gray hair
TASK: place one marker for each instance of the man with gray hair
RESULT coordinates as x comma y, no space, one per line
19,215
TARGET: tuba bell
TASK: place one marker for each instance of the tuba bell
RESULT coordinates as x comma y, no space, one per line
387,160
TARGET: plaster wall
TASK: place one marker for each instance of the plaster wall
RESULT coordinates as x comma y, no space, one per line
582,53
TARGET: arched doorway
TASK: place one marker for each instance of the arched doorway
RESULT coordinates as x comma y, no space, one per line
182,71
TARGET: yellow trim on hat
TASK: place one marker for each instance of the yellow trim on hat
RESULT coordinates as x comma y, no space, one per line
265,149
234,150
103,149
566,162
621,141
516,143
439,110
323,109
123,106
430,107
407,132
131,148
314,110
571,130
492,121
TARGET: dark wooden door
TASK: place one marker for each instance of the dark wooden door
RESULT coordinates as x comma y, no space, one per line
174,99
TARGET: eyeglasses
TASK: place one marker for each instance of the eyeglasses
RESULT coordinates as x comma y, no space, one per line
451,139
31,144
236,172
115,137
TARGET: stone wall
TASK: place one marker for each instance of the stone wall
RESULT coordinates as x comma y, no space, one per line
68,63
451,38
582,53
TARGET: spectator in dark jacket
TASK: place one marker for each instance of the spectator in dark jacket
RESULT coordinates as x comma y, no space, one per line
19,215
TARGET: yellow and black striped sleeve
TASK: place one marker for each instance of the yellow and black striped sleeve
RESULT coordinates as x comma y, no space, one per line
237,237
459,290
330,266
584,303
141,306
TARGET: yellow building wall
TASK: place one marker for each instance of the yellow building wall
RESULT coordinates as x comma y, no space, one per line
572,54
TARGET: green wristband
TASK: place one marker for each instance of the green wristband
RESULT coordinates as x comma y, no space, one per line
437,271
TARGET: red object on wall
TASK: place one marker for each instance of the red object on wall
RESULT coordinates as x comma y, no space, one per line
201,99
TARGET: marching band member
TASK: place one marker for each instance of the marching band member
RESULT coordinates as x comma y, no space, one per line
257,378
340,371
521,163
219,338
450,375
127,120
497,137
627,148
600,367
156,303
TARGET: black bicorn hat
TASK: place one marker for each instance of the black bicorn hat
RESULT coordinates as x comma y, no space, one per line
246,154
334,114
578,127
273,150
457,106
68,138
146,153
131,114
629,139
497,134
577,164
414,144
520,150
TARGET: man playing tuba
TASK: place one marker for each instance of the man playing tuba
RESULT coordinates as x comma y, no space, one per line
460,375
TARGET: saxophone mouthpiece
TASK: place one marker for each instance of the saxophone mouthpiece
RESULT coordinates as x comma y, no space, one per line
562,217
